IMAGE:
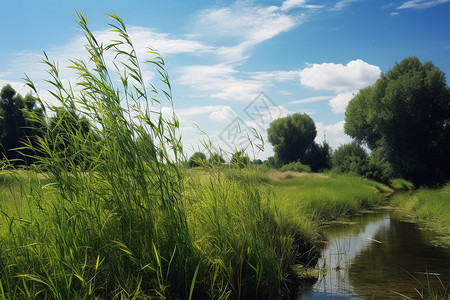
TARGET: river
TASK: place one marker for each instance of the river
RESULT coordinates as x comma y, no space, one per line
379,255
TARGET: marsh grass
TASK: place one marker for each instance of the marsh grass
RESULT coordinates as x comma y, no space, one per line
110,212
116,227
430,206
329,198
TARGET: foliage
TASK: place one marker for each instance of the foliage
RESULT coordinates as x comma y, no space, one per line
430,206
406,114
318,157
353,159
17,125
115,228
399,184
291,136
240,159
350,159
216,159
197,159
273,162
295,167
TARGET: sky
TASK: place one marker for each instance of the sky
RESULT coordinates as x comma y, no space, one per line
235,66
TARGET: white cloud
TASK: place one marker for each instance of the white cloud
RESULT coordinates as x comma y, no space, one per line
332,133
267,116
309,100
290,4
278,76
339,103
340,5
242,26
217,113
225,115
220,81
355,75
421,4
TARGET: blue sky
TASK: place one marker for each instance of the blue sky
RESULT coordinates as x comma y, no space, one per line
304,56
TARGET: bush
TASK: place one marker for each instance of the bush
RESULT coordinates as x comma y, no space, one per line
240,159
295,167
197,159
350,159
353,159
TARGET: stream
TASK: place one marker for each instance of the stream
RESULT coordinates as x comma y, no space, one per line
379,255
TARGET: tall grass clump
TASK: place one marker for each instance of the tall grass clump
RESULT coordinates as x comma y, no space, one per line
117,227
248,244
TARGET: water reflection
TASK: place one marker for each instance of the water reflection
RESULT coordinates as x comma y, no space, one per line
378,256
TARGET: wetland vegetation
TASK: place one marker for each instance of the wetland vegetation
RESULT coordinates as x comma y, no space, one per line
113,211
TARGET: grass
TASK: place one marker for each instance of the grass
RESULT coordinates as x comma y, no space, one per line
111,213
430,206
329,197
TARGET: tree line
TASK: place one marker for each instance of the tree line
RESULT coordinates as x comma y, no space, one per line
403,119
23,122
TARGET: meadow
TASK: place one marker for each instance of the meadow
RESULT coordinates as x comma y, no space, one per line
113,213
237,234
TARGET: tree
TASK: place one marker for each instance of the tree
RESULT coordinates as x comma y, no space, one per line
350,159
291,137
72,136
318,157
196,159
406,114
18,123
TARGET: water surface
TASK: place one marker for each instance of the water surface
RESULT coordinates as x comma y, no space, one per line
379,256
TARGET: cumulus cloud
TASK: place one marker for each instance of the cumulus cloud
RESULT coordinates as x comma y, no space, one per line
339,103
219,81
224,115
339,78
332,133
217,113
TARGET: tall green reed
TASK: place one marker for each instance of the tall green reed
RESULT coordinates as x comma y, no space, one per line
117,227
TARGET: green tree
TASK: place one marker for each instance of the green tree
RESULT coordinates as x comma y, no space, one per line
318,157
291,137
406,114
18,124
350,159
196,159
72,135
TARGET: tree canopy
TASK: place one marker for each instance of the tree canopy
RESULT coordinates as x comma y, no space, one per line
17,123
406,115
291,136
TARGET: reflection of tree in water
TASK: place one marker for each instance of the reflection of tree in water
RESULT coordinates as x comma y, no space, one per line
384,268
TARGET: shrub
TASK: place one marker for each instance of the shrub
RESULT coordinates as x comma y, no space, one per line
350,159
197,159
295,167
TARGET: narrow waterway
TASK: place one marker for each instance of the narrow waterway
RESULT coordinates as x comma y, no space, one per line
379,256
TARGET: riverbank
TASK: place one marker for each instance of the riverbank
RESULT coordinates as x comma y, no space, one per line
429,207
245,232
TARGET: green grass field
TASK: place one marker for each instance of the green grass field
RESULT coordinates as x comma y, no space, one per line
245,233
